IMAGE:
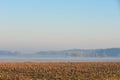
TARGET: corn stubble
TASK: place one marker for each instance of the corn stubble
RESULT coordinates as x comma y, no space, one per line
59,70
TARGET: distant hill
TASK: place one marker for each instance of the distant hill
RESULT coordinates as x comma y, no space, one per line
110,52
7,53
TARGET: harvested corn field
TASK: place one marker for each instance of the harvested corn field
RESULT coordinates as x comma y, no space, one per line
59,70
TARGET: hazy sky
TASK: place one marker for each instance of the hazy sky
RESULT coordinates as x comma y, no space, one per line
59,24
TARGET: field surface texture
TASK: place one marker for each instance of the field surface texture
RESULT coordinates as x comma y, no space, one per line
59,70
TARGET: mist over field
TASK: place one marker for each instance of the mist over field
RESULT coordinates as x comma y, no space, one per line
79,55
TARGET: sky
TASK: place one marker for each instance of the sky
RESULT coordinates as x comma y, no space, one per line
35,25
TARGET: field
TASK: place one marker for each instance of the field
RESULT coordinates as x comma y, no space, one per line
59,70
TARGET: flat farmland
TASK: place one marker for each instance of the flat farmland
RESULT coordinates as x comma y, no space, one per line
59,70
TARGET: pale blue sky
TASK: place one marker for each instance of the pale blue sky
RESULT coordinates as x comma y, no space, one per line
33,25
